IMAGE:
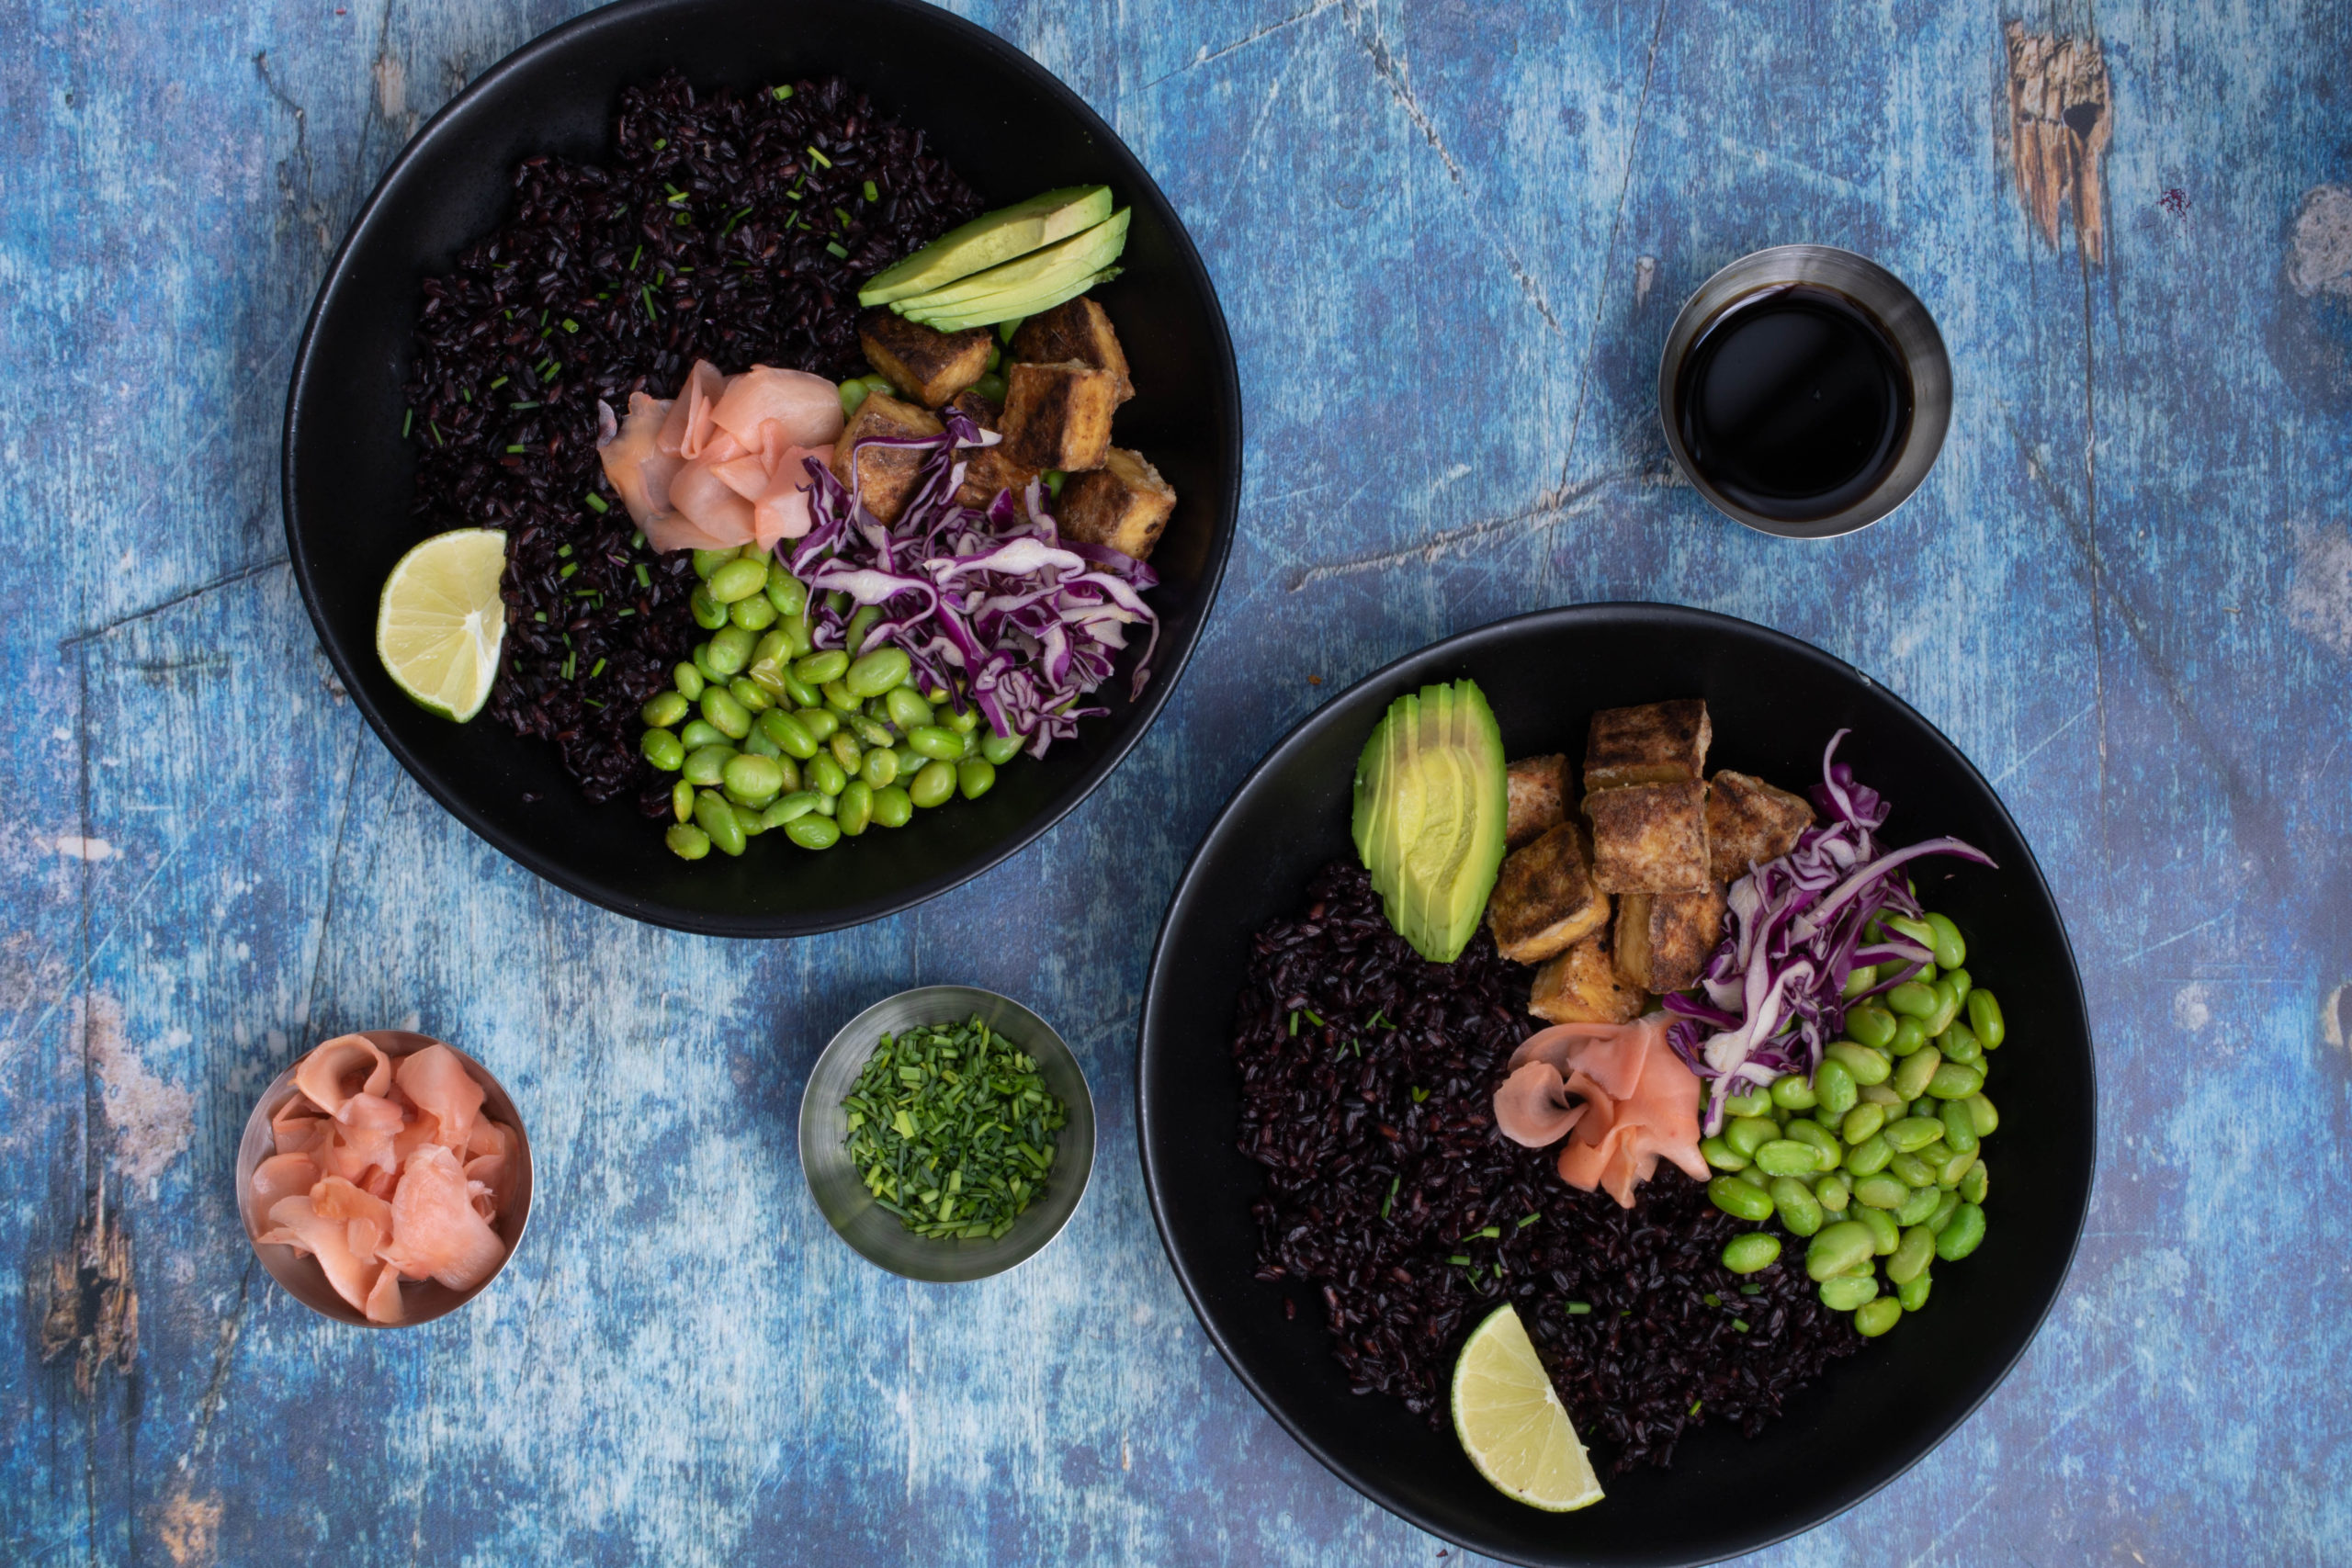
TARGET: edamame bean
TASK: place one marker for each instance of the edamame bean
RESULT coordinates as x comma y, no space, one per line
1833,1192
708,561
799,639
724,714
905,708
1800,1211
820,722
1738,1199
1885,1234
705,765
1877,1316
1982,1115
1751,1253
891,807
759,745
933,741
1837,1248
1757,1102
786,592
855,809
1881,1094
1962,982
1913,1295
1861,1123
1919,1207
1909,1036
662,749
754,613
1785,1156
1912,999
999,749
730,650
935,783
1866,1065
1954,1081
819,668
1959,1043
1912,1171
825,805
825,775
1960,1127
963,723
753,778
799,693
1713,1150
681,801
869,733
748,818
1984,1018
712,674
1873,1026
1912,1257
788,734
813,832
663,711
975,777
750,693
861,623
1827,1148
1848,1292
1961,1233
1954,1169
739,579
707,612
1754,1178
716,817
1912,1133
1745,1134
876,672
1951,952
1947,1008
1946,1207
686,841
1881,1189
700,732
789,809
837,698
1793,1091
688,680
846,750
1910,1079
1974,1185
1834,1088
1869,1156
852,393
880,768
1860,978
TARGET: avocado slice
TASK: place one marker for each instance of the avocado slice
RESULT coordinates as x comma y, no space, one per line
1017,286
988,315
1428,814
991,238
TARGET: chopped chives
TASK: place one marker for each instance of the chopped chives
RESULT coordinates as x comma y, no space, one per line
843,215
1713,1300
661,142
564,551
1420,1095
570,325
617,614
408,422
500,382
597,503
644,577
648,293
1529,1220
540,616
782,93
1294,1026
527,405
569,566
792,196
592,702
1313,1019
1579,1309
1389,1201
437,434
1459,1260
1489,1232
839,254
636,540
595,670
517,448
1740,1324
568,661
822,162
1694,1406
638,256
732,219
872,193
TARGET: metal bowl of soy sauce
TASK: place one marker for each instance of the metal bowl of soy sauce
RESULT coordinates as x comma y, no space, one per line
1806,391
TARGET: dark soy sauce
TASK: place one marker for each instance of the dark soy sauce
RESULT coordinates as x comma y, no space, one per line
1794,402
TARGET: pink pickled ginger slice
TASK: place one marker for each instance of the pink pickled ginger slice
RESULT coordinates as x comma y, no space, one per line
346,1066
436,1079
803,410
283,1176
296,1224
435,1230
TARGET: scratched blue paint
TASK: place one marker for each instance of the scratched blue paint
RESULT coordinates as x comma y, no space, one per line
1450,237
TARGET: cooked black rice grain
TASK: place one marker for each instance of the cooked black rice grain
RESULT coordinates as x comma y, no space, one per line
1383,1166
711,234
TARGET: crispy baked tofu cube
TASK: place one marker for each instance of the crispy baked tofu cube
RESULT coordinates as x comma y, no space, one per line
1077,329
980,407
1544,899
1058,415
887,475
1749,822
1649,838
925,363
1124,504
1663,940
1538,795
1581,985
987,471
1656,743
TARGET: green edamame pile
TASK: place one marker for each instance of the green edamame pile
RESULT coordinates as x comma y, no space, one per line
1875,1161
765,732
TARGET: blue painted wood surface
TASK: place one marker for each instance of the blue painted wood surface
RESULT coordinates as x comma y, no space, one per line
1450,235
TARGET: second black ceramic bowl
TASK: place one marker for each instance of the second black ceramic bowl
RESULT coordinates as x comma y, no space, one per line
1010,128
1775,703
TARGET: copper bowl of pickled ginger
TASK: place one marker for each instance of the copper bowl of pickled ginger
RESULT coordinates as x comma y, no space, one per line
384,1178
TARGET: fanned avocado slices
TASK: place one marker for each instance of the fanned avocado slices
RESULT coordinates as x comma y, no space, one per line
1429,814
990,239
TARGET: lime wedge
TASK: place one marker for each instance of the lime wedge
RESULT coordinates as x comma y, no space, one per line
440,623
1513,1426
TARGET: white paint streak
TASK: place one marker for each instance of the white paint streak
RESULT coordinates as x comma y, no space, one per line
76,847
2190,1008
152,1119
2319,595
2319,252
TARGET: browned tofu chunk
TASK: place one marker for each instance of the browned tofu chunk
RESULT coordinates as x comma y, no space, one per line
1544,899
1059,416
1649,838
987,471
1749,822
1581,985
1124,504
925,363
1538,794
1664,939
980,407
1656,743
1077,329
886,476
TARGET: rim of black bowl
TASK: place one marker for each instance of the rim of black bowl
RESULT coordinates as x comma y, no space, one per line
1699,621
1174,654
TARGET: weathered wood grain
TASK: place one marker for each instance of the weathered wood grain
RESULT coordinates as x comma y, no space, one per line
1450,235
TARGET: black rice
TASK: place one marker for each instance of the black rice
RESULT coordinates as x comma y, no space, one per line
727,227
1382,1168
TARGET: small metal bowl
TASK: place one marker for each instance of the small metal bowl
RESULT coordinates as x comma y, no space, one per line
876,1232
299,1273
1883,294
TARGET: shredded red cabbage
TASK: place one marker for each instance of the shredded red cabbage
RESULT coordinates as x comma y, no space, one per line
1773,994
992,606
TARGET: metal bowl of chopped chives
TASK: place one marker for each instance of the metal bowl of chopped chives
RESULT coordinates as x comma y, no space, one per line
947,1133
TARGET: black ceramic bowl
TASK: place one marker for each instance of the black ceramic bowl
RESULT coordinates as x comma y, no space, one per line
1012,130
1775,703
